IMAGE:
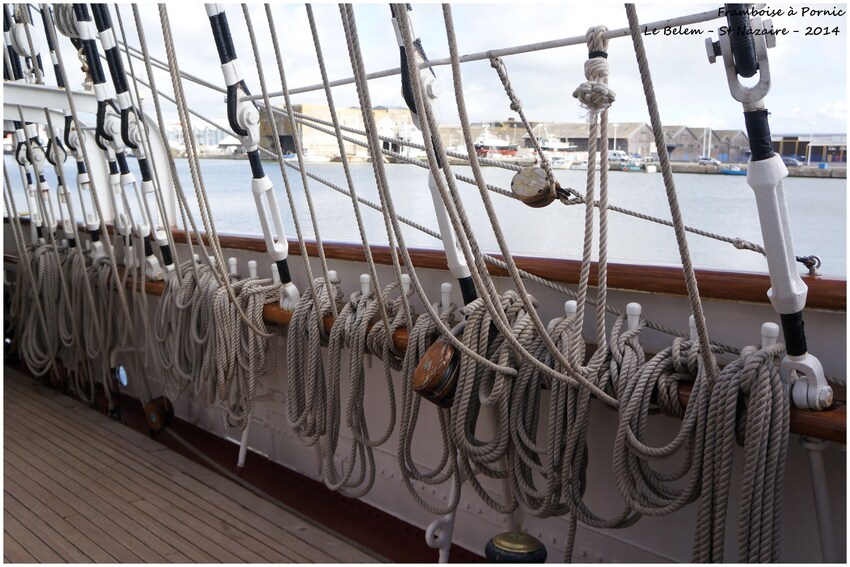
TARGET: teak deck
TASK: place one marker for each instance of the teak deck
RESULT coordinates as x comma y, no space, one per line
79,487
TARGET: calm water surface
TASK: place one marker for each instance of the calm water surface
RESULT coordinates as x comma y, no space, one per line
717,203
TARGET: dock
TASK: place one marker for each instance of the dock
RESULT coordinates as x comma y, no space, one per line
839,171
80,487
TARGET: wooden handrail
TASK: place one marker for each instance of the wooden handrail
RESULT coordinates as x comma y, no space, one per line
824,292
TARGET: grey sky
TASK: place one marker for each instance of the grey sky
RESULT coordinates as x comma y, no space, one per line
808,72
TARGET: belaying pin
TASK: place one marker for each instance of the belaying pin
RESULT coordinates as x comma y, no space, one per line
633,311
365,285
445,297
769,334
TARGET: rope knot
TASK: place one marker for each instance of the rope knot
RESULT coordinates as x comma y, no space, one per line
594,94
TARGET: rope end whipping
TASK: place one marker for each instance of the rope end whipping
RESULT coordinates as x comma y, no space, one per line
594,94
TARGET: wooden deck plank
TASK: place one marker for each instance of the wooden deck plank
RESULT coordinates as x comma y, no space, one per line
340,550
34,545
12,475
239,541
80,479
288,532
185,540
129,490
57,541
104,523
141,526
14,552
92,544
293,526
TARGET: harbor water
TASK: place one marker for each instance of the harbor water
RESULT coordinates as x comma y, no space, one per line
717,203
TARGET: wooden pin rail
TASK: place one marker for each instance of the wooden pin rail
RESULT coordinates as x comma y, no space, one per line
824,293
272,313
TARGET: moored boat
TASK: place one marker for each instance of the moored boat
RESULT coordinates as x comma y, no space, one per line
733,169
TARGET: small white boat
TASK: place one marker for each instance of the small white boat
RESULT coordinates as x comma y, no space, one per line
579,165
560,162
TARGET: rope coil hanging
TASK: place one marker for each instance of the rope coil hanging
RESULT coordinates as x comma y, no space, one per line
521,364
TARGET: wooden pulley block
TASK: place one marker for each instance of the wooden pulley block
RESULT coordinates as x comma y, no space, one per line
82,378
436,374
530,186
159,414
58,376
515,547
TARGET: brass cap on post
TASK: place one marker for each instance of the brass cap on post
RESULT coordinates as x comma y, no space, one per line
515,547
436,374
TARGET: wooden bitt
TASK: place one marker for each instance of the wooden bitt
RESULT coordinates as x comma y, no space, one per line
436,374
530,186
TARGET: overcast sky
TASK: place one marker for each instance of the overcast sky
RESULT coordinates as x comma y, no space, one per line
808,72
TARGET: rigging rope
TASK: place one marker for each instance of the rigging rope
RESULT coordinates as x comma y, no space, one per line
218,328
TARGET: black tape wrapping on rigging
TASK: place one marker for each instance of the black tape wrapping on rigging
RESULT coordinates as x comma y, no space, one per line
165,249
407,85
14,58
125,128
81,13
103,22
67,135
467,290
283,271
758,130
101,17
145,169
93,60
232,102
52,48
55,141
223,39
256,164
116,70
123,166
794,332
